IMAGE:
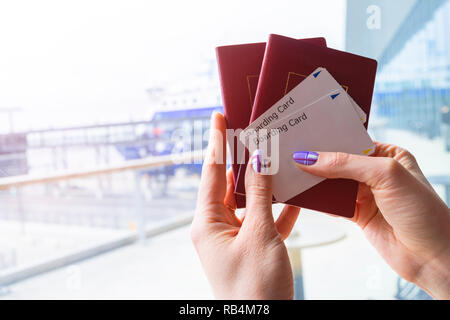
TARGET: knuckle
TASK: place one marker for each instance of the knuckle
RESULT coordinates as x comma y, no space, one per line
258,190
337,159
260,231
405,154
408,154
385,173
208,166
391,167
195,234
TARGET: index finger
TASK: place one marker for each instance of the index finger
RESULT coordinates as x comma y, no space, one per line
213,181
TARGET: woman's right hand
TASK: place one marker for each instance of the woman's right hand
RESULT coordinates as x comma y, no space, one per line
398,210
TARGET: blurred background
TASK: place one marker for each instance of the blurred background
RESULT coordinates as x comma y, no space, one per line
95,97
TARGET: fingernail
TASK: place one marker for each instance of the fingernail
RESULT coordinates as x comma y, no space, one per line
306,158
256,161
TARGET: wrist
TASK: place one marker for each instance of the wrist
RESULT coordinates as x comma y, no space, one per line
435,277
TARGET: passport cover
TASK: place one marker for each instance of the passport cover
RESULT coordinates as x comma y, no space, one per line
286,63
239,69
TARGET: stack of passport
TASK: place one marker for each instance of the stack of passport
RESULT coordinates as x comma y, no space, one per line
288,84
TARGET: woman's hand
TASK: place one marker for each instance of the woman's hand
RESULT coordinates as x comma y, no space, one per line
398,210
244,258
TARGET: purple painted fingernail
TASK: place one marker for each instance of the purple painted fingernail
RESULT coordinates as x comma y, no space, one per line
306,158
256,161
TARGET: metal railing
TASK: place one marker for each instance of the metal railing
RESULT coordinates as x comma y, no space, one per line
151,162
16,182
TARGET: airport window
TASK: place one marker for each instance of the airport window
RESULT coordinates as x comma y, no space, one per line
93,114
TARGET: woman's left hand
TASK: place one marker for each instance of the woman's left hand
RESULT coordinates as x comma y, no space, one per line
244,258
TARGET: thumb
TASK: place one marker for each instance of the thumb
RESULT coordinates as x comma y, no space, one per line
258,190
376,172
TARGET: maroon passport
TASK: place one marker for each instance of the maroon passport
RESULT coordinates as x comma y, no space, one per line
239,69
286,63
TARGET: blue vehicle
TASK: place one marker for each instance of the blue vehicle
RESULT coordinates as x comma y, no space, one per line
161,140
180,112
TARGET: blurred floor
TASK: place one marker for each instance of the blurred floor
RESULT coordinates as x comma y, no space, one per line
167,267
